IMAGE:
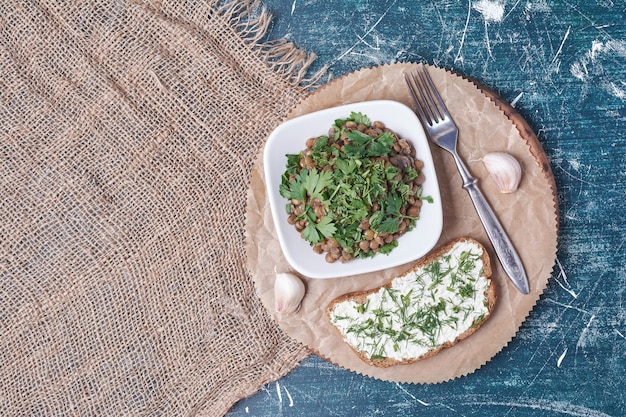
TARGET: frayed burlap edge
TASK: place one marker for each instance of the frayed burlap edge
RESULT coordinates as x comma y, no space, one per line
251,22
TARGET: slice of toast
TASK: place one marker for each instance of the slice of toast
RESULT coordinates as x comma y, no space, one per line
438,302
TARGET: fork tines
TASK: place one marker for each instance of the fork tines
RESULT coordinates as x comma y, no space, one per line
430,106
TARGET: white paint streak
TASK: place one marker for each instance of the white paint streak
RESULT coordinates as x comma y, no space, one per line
469,12
616,91
562,274
539,6
569,306
424,403
579,70
405,391
545,364
411,395
575,164
376,48
288,396
492,11
590,68
582,342
512,8
487,39
559,407
562,270
516,99
280,395
558,362
349,50
561,46
579,179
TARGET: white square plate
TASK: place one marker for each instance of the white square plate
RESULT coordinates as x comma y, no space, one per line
290,138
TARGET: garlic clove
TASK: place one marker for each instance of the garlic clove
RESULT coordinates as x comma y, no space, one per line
504,169
288,293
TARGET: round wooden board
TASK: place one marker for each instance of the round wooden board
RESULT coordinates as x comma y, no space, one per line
529,215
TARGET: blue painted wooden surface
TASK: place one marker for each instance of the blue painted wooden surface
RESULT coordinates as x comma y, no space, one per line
562,64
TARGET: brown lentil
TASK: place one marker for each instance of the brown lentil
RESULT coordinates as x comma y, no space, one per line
402,157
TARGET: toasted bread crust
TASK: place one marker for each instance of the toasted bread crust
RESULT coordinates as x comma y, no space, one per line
361,296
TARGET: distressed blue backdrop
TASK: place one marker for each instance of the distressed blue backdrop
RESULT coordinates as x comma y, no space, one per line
562,65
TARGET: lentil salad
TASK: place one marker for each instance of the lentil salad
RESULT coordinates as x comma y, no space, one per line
353,192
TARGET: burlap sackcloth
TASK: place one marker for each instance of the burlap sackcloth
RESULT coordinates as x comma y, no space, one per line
128,132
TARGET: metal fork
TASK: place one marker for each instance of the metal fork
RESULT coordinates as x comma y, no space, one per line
443,131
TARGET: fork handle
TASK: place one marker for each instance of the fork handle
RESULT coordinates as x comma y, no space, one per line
502,245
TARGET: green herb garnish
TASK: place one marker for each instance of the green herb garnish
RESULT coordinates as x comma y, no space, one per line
354,191
438,302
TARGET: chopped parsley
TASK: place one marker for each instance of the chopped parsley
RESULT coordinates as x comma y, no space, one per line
354,186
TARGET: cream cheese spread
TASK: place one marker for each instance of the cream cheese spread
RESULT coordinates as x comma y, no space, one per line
420,310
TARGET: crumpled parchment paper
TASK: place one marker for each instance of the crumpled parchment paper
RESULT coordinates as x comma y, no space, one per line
529,215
